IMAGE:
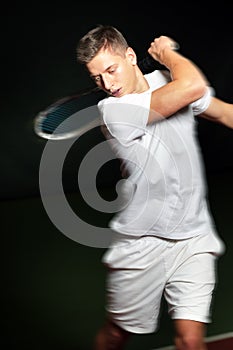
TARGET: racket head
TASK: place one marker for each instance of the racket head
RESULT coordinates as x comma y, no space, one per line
70,116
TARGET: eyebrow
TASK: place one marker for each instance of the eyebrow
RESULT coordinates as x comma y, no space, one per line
97,75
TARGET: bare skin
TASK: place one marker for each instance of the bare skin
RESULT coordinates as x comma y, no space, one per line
219,112
111,337
189,335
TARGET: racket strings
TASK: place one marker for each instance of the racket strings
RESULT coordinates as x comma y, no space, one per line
51,121
59,114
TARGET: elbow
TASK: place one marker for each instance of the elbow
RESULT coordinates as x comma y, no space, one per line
195,89
200,87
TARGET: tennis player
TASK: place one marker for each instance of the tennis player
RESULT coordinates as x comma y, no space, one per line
166,242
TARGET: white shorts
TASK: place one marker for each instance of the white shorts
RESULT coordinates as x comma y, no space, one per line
142,270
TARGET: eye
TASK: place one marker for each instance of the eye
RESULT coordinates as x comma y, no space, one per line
96,79
112,70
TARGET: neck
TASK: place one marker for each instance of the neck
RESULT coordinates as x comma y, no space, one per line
142,84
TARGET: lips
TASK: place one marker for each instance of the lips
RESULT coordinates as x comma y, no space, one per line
116,93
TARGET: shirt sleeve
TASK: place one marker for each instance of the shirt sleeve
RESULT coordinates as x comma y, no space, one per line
126,117
202,103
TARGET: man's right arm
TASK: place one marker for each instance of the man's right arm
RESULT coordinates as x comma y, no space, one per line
187,85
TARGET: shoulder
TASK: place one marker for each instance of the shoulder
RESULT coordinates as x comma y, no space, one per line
129,98
125,106
157,78
126,117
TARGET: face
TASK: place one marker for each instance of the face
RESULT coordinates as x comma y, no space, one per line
113,73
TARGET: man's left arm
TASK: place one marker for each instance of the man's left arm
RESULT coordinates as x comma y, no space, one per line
220,112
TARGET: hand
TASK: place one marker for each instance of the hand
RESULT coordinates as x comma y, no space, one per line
160,44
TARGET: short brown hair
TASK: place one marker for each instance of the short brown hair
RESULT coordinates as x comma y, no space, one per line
102,36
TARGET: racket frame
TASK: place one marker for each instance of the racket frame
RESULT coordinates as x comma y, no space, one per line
41,116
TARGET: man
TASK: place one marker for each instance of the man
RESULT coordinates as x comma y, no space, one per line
166,241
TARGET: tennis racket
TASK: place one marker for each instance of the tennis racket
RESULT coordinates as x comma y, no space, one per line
70,116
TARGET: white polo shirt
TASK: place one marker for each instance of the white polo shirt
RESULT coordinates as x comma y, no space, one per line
164,191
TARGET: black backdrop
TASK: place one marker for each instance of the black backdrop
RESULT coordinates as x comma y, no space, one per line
53,290
39,66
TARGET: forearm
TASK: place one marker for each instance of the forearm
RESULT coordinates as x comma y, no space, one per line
219,112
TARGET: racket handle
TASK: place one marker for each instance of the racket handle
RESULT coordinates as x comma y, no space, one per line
148,64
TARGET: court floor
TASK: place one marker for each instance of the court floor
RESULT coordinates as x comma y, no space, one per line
217,342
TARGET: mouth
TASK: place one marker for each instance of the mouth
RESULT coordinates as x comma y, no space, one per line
116,93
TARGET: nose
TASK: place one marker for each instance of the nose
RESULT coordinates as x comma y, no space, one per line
107,82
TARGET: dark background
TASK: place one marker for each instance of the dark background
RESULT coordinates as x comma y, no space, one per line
38,48
53,291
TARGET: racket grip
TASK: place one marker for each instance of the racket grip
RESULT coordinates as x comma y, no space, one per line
148,64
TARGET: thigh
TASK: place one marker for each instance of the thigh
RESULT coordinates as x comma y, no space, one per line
190,288
135,284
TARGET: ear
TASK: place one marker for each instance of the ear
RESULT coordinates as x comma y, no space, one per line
131,56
